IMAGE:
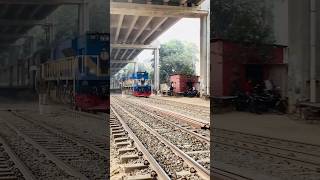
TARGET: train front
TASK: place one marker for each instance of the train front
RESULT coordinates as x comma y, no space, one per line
92,80
141,87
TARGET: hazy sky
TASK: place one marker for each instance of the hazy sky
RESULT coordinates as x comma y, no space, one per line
187,29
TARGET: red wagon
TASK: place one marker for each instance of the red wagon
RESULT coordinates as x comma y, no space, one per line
182,83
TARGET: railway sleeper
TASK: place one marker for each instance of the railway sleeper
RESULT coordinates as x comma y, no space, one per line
120,139
6,173
126,158
197,152
119,144
7,169
183,173
4,165
114,125
116,128
140,177
117,135
131,167
206,160
8,178
125,150
117,131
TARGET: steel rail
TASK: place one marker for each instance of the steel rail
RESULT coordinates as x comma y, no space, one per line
272,151
96,116
202,172
162,175
269,153
221,174
49,155
218,173
272,138
180,103
63,133
197,135
27,174
239,146
183,117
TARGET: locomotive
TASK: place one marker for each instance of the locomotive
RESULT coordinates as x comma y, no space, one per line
137,84
78,72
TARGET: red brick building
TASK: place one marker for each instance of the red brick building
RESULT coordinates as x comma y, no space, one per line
233,62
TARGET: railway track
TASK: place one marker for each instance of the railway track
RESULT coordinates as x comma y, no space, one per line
39,165
285,148
193,121
77,158
281,158
196,146
11,167
188,144
172,119
96,143
135,159
176,163
194,111
251,154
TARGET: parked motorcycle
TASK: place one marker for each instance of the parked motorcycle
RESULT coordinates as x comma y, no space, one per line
242,101
191,93
257,104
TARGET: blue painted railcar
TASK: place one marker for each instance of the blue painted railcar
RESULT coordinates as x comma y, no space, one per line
82,64
138,84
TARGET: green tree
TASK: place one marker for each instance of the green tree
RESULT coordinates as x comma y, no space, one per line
241,20
244,21
177,57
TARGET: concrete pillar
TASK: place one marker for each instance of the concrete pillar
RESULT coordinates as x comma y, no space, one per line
314,51
83,15
208,55
204,58
299,51
304,73
313,47
156,69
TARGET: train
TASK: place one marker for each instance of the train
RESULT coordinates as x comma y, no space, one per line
78,72
137,84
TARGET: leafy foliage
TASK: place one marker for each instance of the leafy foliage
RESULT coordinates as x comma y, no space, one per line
177,57
244,21
241,20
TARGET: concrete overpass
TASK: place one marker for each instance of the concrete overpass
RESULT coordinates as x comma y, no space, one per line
17,17
136,24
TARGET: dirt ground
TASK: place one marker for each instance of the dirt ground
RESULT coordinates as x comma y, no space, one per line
272,125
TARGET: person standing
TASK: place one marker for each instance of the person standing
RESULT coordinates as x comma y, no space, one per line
171,89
